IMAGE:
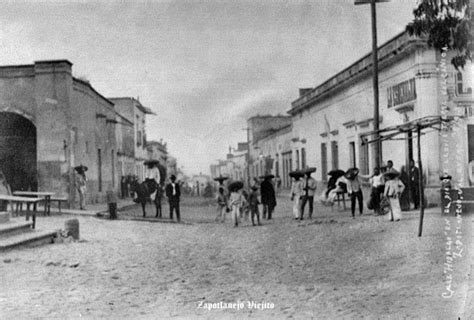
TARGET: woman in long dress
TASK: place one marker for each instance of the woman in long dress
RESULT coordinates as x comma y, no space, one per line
393,189
296,194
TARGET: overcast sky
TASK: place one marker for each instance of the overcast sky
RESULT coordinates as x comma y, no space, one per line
203,67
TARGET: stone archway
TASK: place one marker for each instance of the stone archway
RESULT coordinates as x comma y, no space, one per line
18,154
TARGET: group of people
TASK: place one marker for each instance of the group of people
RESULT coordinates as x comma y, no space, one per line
386,183
172,189
303,189
244,205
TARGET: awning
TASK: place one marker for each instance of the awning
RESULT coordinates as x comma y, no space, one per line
390,133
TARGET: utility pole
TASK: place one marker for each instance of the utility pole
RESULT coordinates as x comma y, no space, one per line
375,82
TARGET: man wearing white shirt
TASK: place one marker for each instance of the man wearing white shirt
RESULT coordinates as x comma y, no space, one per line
173,193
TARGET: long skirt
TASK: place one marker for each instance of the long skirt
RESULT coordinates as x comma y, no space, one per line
296,207
395,211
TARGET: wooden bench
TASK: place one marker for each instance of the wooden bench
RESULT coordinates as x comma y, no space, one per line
44,195
28,201
59,200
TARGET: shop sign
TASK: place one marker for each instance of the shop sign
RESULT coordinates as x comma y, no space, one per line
401,93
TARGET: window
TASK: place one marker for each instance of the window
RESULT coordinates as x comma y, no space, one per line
352,154
461,86
99,171
303,158
113,168
364,158
324,162
297,159
335,155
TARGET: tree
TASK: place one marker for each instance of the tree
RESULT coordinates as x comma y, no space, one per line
447,26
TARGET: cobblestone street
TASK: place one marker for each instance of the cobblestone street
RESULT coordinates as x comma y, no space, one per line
331,267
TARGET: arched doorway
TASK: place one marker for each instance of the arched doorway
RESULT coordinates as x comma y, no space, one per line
18,151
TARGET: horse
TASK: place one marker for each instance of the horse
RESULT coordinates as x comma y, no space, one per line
143,191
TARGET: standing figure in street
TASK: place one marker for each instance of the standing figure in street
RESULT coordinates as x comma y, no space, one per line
81,181
378,183
404,196
393,189
309,188
253,205
296,193
236,200
221,205
354,190
415,184
267,192
173,193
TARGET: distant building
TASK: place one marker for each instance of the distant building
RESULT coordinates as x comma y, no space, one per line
134,111
270,146
157,150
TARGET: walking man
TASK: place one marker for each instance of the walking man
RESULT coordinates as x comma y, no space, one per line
354,190
267,192
173,193
309,188
414,184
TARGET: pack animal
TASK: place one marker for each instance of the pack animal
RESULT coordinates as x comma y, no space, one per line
143,192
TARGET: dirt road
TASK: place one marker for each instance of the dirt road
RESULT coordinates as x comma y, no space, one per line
331,267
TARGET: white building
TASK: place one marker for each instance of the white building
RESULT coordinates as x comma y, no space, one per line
331,118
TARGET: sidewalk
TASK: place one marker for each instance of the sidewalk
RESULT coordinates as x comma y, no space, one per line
95,209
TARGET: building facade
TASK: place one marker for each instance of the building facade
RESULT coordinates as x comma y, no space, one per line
52,122
271,146
131,109
414,82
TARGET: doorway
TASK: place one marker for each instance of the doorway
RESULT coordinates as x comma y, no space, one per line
18,154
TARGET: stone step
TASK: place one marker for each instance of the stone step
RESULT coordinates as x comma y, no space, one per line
14,226
4,216
31,238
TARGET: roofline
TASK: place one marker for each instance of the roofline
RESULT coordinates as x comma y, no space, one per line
139,104
86,83
339,79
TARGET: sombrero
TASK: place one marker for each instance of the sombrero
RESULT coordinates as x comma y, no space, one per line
267,176
445,176
309,170
296,173
336,173
151,162
391,174
235,185
220,178
351,173
81,168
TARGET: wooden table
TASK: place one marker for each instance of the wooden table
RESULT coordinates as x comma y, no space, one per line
40,194
26,200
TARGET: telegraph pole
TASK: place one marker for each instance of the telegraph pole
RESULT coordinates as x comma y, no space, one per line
375,82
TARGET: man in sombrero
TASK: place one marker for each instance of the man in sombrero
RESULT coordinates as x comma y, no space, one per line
81,185
354,189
